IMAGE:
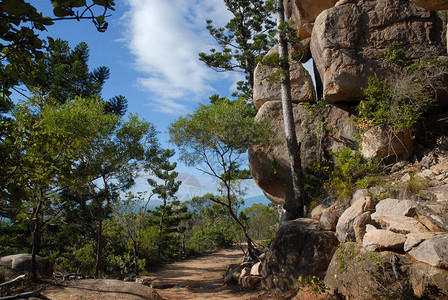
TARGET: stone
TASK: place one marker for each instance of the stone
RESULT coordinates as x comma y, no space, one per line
383,143
302,88
270,165
344,227
317,211
428,282
395,207
431,5
383,239
329,217
359,226
359,274
22,263
440,193
432,251
433,215
303,13
299,248
359,194
399,224
415,238
347,41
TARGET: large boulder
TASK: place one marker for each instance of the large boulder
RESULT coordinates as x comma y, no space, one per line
347,41
22,263
266,89
383,239
433,251
299,248
303,13
359,274
384,143
270,166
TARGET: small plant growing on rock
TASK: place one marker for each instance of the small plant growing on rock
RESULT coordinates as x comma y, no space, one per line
314,282
349,170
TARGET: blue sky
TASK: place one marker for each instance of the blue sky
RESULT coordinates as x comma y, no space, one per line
151,48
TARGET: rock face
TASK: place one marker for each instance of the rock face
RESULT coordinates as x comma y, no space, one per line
347,41
22,263
302,88
299,248
383,143
304,12
270,167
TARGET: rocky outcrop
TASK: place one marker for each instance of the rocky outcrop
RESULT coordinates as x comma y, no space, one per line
347,41
299,248
303,13
360,274
270,166
22,263
267,89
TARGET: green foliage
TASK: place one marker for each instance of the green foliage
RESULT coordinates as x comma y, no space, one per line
400,100
211,238
262,221
120,265
349,170
244,38
314,282
416,185
20,44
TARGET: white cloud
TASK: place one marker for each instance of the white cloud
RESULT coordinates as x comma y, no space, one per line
165,38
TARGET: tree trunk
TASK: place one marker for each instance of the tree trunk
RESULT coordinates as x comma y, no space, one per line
35,238
295,207
99,242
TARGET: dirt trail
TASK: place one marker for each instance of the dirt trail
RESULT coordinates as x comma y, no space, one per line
201,278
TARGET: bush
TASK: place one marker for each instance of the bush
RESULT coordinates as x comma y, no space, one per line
210,238
350,169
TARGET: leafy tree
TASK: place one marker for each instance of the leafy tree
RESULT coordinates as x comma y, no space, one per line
49,139
110,164
262,220
216,137
20,44
244,38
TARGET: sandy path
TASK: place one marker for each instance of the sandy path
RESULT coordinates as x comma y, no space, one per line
201,278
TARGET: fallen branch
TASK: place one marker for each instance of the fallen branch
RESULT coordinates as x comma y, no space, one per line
35,293
13,280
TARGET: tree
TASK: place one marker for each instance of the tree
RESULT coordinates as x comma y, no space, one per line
48,140
20,43
110,164
297,206
216,137
244,38
166,191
